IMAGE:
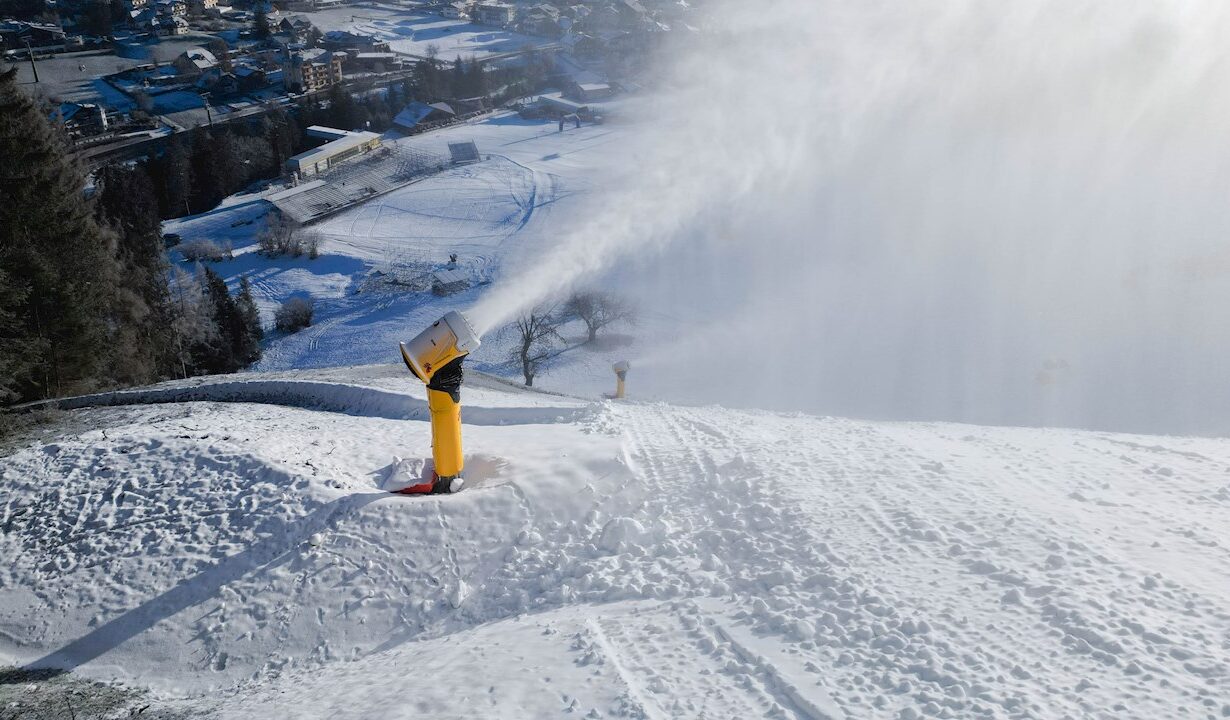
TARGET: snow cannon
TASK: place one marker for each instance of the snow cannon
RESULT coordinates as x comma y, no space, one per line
435,356
621,373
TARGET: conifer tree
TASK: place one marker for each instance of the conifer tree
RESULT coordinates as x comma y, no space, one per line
458,78
476,78
196,335
250,348
50,242
228,320
260,24
175,179
216,169
125,202
18,351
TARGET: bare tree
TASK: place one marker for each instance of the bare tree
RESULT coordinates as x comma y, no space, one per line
283,236
278,236
294,314
311,242
598,309
537,337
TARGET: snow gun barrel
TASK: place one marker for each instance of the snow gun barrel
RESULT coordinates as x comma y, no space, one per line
435,356
447,339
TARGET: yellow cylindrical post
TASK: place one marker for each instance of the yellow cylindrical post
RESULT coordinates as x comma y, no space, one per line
621,373
445,434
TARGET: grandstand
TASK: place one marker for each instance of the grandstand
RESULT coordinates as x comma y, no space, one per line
344,185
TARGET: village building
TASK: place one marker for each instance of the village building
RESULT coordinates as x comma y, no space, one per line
171,8
353,42
418,115
297,26
342,145
250,76
455,10
541,19
587,92
195,61
203,7
313,5
377,62
583,46
80,119
496,14
16,33
311,70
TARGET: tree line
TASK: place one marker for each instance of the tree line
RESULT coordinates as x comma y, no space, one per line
87,299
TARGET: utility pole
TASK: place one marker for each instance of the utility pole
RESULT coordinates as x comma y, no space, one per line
208,114
33,67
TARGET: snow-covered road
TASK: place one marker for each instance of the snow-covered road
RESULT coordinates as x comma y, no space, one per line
627,560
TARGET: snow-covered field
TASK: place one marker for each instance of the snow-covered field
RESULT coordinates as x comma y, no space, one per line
413,33
613,560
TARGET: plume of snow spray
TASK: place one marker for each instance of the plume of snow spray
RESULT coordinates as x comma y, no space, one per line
958,210
683,165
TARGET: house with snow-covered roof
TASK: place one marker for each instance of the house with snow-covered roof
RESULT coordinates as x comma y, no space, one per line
497,14
195,61
80,119
418,114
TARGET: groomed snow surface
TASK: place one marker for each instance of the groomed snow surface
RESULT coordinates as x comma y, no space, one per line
224,543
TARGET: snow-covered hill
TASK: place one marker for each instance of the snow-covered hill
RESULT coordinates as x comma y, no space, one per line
226,544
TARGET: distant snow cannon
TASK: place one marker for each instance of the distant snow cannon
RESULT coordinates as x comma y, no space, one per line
435,357
621,373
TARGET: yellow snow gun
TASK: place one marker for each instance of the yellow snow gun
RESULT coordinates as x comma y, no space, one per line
435,356
621,374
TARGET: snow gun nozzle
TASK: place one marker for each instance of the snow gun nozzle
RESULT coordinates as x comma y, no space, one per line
445,341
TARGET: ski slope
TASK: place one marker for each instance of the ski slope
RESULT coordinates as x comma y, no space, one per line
224,542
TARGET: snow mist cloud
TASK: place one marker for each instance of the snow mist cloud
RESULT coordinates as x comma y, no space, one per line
971,211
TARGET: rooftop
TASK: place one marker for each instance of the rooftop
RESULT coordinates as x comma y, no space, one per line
349,140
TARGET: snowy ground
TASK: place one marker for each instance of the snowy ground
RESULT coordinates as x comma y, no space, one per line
413,32
613,560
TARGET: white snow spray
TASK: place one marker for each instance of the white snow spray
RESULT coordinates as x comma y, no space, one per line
974,211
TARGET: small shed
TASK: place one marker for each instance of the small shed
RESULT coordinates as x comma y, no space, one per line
449,281
464,152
